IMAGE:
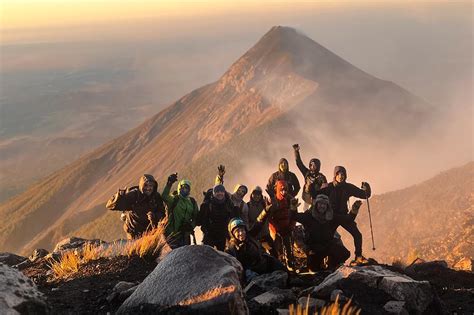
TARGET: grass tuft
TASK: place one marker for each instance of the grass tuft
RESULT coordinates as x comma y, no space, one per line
331,309
149,245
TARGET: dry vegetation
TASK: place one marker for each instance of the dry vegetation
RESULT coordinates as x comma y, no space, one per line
149,245
332,309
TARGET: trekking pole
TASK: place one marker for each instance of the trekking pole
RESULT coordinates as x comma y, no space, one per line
370,221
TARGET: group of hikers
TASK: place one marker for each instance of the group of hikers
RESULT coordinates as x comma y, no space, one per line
259,233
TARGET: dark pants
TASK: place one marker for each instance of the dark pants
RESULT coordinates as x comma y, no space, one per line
215,241
179,240
282,246
350,226
337,254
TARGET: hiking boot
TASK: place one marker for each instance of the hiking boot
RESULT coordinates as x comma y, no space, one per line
359,261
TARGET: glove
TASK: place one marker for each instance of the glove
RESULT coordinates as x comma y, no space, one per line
172,178
221,170
296,147
355,208
366,187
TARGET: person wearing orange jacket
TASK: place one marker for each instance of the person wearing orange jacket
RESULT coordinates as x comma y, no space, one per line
280,214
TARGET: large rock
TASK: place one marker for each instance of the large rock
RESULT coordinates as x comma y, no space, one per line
11,259
18,294
191,279
266,282
418,295
71,243
275,298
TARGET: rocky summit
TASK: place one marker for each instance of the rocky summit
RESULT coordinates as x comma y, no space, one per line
198,279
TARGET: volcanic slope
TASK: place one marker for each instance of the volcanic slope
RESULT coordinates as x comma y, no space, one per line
285,77
432,220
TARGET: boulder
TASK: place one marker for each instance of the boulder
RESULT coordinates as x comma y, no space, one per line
418,295
11,259
37,254
395,307
194,278
465,264
266,282
422,266
71,243
275,298
123,286
18,294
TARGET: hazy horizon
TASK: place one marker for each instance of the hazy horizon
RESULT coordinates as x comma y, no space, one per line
120,69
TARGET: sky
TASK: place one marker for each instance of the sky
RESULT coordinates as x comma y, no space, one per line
172,47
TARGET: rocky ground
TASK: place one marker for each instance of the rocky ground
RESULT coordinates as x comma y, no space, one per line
186,281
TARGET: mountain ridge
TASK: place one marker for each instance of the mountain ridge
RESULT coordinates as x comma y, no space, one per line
251,94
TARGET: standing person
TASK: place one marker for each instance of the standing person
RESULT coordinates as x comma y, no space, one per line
238,200
339,192
313,178
237,196
320,226
280,213
256,205
142,206
182,212
214,216
284,173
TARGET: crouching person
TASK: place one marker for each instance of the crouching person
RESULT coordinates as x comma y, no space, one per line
320,226
182,212
248,251
142,206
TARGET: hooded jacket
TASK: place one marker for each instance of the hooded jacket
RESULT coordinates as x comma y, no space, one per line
182,211
312,181
214,215
142,212
339,193
279,212
319,231
289,177
243,210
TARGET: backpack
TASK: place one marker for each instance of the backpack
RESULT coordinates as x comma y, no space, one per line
116,202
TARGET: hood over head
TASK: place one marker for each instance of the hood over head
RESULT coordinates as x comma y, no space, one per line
317,162
278,188
328,215
182,183
147,178
338,169
283,160
239,186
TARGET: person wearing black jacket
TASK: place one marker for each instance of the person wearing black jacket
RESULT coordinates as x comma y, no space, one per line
284,173
320,226
247,250
214,215
313,178
142,206
339,192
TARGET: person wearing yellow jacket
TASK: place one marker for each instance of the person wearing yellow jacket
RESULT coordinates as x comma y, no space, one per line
182,212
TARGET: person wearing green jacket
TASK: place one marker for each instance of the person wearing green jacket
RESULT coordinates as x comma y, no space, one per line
182,211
